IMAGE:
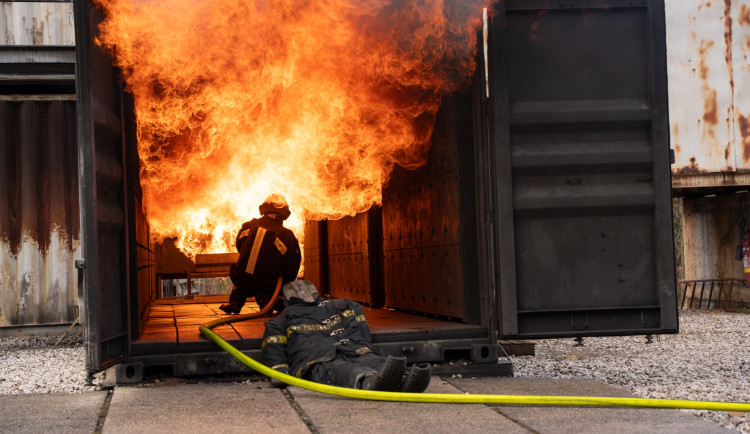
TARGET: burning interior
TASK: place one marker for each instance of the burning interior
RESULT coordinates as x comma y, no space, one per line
433,153
316,100
320,101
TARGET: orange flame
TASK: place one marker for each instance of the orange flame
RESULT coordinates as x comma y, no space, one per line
313,99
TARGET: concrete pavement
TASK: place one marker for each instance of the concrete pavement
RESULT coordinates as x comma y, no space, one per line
176,405
54,412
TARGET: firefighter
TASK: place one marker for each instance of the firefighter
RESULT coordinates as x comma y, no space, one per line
328,341
267,250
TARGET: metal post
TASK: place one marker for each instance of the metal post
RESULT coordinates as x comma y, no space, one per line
710,295
684,295
718,295
700,300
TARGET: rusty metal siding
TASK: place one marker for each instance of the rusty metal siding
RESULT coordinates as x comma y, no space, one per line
39,226
740,38
36,23
711,233
709,82
711,228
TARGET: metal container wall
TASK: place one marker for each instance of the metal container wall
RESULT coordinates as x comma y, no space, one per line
711,236
108,177
39,226
36,23
142,252
714,222
419,252
147,290
571,159
422,226
582,151
708,44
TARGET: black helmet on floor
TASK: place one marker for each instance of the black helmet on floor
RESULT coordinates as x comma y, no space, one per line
275,204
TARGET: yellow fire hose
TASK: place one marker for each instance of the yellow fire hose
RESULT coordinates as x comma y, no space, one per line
447,398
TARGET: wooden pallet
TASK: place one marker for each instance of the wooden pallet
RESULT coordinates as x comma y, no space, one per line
516,348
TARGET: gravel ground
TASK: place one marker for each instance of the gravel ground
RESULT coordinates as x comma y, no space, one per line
34,365
708,360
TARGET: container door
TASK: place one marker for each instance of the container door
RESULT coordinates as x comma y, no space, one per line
104,279
581,167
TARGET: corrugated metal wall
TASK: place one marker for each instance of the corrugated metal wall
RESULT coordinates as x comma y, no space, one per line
39,226
711,234
708,43
36,23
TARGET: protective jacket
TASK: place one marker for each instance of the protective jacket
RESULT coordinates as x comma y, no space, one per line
267,250
308,333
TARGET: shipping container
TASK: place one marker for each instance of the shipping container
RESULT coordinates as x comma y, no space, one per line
544,209
37,23
714,234
39,217
39,223
709,80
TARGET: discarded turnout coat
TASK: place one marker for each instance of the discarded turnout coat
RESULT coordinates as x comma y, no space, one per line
308,333
267,250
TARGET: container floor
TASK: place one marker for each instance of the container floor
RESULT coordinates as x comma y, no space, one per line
176,320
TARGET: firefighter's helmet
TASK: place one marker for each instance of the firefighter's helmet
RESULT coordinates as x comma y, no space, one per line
275,204
304,290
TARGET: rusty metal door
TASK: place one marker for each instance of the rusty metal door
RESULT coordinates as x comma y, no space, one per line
580,166
104,278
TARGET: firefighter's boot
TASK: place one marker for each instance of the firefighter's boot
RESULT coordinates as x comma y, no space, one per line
389,376
417,380
236,301
231,308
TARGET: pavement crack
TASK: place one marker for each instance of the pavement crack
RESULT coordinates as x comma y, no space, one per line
495,408
103,412
300,412
512,419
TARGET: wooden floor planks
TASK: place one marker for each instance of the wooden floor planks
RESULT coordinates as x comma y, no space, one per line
177,320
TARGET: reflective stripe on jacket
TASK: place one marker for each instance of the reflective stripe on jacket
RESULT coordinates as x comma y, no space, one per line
314,333
267,250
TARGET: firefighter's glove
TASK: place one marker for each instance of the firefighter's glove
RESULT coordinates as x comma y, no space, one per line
279,384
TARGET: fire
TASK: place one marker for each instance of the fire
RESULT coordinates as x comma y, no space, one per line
313,99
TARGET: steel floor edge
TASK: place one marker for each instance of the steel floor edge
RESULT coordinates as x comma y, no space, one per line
143,348
468,357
